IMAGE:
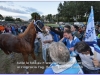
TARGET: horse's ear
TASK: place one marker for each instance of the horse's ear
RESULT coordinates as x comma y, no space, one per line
33,21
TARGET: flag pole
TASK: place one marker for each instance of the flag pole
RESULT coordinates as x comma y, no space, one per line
95,53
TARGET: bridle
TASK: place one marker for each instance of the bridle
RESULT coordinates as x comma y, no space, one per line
35,22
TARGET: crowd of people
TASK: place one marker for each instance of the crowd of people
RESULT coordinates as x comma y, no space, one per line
13,28
66,48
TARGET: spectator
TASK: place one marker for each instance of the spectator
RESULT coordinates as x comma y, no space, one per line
99,29
61,28
86,54
46,39
36,44
62,63
96,27
9,28
56,37
16,29
74,30
60,33
23,28
70,41
82,33
2,29
6,29
19,29
13,30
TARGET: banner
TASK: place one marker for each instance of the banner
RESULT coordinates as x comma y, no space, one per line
90,35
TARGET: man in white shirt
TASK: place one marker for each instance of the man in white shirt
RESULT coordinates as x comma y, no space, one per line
46,39
86,54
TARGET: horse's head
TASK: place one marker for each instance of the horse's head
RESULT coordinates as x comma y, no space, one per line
39,26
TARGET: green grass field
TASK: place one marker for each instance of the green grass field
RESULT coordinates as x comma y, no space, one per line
53,25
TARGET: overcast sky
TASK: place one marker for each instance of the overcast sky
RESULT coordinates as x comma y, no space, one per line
24,9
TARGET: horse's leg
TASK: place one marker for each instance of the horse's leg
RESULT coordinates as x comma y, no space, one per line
6,52
33,56
25,56
10,52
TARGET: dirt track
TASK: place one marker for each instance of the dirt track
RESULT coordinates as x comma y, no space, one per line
9,67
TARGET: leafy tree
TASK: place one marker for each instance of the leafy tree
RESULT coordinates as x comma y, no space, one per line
60,8
80,9
1,17
18,19
43,18
9,18
49,17
54,18
35,16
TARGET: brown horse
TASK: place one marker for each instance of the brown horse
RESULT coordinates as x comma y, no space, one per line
23,43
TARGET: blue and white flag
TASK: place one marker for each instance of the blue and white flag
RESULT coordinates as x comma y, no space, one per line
90,36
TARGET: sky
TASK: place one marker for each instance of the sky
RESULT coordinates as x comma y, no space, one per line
24,9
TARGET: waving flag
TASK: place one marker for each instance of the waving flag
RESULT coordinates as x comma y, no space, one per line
90,31
90,36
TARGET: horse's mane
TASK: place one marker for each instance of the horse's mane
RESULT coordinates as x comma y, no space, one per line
27,30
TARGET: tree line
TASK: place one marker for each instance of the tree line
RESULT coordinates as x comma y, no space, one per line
74,11
68,11
9,18
78,10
